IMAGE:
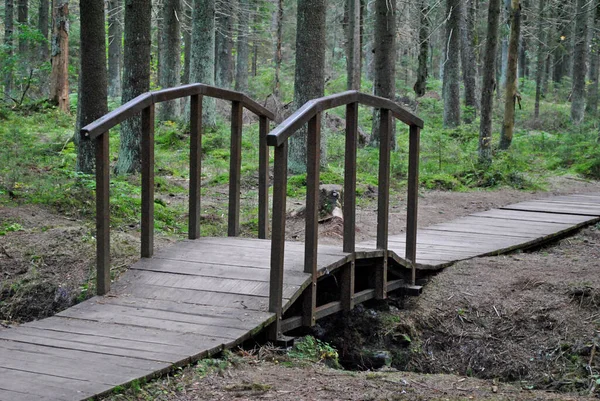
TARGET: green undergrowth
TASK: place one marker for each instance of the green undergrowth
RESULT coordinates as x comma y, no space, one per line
37,162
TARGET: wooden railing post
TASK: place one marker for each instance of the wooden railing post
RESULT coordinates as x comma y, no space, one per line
102,215
263,179
278,239
350,177
235,170
383,201
412,200
148,181
311,236
195,165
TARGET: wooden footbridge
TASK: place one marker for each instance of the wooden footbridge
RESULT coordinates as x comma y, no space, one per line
203,295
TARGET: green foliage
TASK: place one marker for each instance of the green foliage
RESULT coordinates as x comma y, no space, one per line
311,349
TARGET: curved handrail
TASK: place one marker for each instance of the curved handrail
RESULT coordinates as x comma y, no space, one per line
144,105
312,107
310,114
144,100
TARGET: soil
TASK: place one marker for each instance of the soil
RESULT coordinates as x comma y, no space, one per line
530,319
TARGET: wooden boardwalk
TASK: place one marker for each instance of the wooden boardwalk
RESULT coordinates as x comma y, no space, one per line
199,297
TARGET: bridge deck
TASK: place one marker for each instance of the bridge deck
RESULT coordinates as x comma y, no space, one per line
198,297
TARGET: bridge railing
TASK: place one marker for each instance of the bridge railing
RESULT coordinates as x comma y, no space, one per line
145,104
310,114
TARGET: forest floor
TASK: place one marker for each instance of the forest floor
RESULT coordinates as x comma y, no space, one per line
514,327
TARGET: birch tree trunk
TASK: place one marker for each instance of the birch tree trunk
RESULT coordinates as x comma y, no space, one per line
488,84
511,77
59,77
136,79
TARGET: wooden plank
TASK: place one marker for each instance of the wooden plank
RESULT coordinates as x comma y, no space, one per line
556,208
533,216
82,370
350,178
383,187
195,297
8,395
412,198
29,344
263,178
213,284
216,271
515,224
102,214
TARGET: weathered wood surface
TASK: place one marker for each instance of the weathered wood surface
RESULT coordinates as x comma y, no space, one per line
200,296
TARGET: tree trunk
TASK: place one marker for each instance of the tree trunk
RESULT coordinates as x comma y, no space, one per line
384,60
8,43
92,103
59,78
136,79
310,70
353,64
469,64
370,43
488,84
421,85
278,17
170,69
243,49
504,30
224,47
202,56
541,58
23,19
579,63
43,27
563,39
592,99
451,82
187,43
115,36
511,77
523,46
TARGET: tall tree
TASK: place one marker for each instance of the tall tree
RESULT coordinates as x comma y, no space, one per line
170,69
136,79
115,36
59,78
541,58
187,43
8,44
92,103
488,84
421,84
278,24
23,19
202,53
579,62
523,43
592,96
353,50
451,82
243,48
562,41
309,80
43,27
511,76
469,63
224,46
505,32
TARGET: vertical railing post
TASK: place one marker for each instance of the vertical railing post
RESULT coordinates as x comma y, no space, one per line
148,181
278,238
195,165
263,179
350,177
383,201
235,170
311,236
102,215
412,200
